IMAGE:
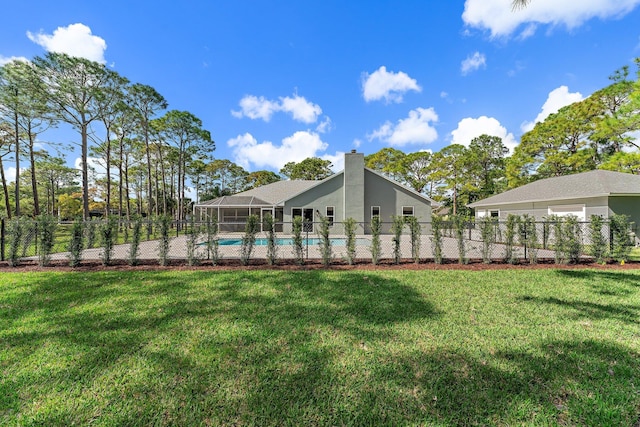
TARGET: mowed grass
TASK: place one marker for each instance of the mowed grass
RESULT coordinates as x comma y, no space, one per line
511,347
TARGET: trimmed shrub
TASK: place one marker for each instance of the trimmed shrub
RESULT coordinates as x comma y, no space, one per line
90,233
572,239
487,227
108,230
529,237
459,227
298,246
15,230
213,246
437,239
249,238
326,251
598,247
193,231
269,226
164,225
76,243
350,225
376,247
134,247
510,239
415,231
46,231
397,225
621,239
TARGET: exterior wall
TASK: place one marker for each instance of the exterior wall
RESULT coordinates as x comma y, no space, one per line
328,193
626,205
391,198
540,210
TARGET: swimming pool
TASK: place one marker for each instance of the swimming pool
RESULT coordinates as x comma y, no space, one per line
288,241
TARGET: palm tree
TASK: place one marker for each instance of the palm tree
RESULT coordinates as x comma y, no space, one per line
519,4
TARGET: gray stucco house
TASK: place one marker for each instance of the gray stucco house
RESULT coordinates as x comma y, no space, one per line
356,192
597,192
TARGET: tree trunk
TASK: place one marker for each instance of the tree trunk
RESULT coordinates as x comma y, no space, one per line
34,182
17,142
85,171
5,190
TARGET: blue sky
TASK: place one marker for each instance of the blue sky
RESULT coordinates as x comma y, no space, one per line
279,81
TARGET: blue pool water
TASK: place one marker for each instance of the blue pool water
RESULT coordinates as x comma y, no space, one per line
289,241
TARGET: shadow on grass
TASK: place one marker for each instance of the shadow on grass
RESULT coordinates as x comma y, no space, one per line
242,347
561,382
299,348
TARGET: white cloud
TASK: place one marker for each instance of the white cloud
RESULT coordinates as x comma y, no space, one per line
300,109
498,17
10,174
469,128
387,85
7,59
472,63
75,40
256,108
295,148
558,98
337,160
417,128
325,126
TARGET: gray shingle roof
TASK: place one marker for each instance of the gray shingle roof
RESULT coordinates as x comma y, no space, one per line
266,195
581,185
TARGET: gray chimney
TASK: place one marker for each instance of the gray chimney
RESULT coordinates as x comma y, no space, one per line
354,186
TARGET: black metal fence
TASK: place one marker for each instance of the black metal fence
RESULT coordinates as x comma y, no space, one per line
519,240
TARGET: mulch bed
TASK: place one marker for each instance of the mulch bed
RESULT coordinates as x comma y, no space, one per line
289,265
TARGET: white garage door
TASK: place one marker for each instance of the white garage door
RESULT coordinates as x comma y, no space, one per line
565,210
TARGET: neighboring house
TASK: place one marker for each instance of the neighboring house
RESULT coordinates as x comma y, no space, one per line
356,192
597,192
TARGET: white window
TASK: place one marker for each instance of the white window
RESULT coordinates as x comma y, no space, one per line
375,211
407,211
566,210
330,214
481,213
494,214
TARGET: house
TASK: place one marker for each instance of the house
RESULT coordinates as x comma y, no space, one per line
356,192
597,192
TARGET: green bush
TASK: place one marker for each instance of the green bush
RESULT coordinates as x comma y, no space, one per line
510,239
76,243
621,239
437,239
415,233
487,227
251,228
269,226
46,231
193,232
598,247
459,227
213,246
134,247
529,237
350,225
108,230
397,225
572,239
376,247
15,231
164,225
298,246
90,232
326,251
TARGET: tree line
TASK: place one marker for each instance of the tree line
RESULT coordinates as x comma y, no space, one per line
150,156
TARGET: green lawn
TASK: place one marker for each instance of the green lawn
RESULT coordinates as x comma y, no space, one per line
510,347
